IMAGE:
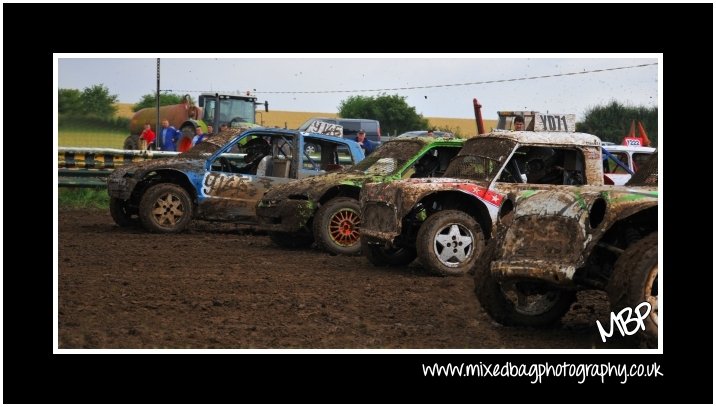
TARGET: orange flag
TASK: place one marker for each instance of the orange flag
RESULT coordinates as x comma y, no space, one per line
642,135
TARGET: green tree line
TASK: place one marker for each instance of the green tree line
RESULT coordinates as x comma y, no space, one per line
92,101
94,106
392,111
150,100
612,121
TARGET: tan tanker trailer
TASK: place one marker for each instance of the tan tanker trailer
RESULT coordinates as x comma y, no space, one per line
234,110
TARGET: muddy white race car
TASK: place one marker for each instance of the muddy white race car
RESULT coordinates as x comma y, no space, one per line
538,200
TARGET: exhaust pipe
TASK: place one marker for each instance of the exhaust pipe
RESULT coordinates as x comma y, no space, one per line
478,116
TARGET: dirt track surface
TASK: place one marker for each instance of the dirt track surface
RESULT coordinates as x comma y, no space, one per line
223,286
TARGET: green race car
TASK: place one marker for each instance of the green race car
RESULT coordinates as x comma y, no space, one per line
325,208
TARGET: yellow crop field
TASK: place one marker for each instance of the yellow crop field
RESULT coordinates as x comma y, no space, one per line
465,127
125,110
291,120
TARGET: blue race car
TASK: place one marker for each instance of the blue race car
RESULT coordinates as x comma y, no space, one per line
221,178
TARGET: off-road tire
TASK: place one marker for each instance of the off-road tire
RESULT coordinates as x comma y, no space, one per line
290,240
120,215
457,226
503,310
380,256
131,142
634,281
165,208
336,226
188,131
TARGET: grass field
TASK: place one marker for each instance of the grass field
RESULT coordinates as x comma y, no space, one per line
83,198
91,138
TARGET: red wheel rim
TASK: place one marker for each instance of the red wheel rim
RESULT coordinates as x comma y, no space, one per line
344,227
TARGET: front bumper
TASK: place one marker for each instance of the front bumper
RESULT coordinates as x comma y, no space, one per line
379,222
559,274
120,187
289,216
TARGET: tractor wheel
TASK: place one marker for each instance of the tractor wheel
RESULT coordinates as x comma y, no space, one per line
131,142
165,208
187,136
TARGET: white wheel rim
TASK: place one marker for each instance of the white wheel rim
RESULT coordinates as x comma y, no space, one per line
453,245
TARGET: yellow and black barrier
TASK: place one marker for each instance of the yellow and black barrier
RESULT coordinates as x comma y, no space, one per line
105,158
90,167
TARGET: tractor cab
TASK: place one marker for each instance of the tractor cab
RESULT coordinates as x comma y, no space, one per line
232,109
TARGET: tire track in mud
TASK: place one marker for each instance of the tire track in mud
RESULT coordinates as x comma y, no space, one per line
223,286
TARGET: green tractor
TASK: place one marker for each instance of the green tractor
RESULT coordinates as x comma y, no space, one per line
211,110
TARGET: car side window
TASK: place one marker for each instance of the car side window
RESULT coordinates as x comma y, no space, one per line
326,155
432,163
243,157
544,165
611,167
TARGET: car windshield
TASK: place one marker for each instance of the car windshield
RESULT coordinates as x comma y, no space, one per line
211,144
400,151
480,159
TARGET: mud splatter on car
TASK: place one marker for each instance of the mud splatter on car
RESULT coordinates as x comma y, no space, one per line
325,208
538,203
220,179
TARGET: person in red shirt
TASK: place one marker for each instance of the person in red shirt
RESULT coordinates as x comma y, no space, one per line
146,139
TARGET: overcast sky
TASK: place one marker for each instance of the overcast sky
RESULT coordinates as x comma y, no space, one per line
131,76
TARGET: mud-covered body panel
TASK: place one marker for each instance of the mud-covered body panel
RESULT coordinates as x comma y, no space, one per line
223,182
290,207
395,200
551,230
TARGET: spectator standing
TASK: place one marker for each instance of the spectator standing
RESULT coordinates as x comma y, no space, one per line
170,136
146,139
199,136
367,145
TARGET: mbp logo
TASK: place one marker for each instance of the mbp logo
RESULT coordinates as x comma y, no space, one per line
623,319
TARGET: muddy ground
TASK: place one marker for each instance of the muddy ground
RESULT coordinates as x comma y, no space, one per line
224,286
